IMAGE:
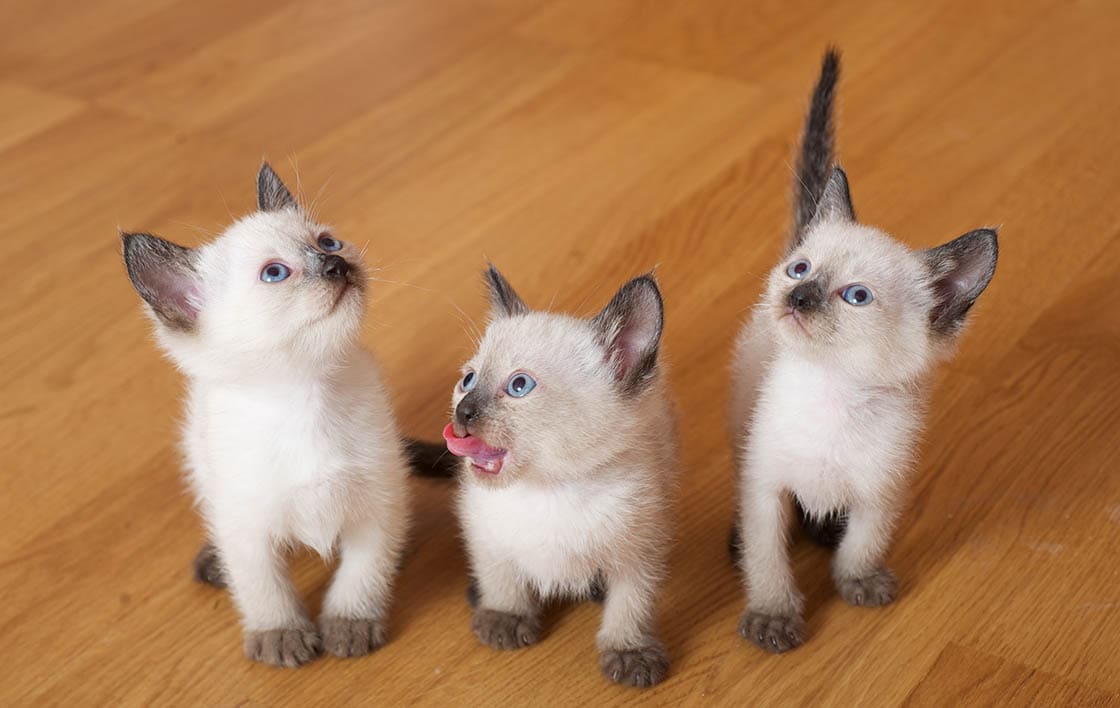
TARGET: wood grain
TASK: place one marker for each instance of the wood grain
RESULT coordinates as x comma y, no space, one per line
575,144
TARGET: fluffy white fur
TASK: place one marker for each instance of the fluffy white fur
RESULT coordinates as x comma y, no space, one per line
584,490
289,437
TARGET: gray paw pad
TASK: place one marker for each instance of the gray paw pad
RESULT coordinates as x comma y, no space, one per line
773,633
502,630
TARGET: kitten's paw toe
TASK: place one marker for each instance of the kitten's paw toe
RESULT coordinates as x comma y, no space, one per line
346,637
639,668
208,567
502,630
290,646
773,633
878,588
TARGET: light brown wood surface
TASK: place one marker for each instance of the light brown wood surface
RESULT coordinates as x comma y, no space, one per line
575,144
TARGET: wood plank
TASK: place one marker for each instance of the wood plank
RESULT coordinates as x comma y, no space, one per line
962,676
575,144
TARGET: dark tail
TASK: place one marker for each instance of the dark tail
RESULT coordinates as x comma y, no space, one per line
827,530
815,158
430,459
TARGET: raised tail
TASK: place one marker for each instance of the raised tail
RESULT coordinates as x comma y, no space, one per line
430,459
816,154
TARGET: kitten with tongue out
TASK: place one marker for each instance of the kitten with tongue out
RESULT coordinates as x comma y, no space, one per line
568,440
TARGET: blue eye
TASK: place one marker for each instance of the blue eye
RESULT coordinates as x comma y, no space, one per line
468,381
799,269
520,385
329,244
275,272
857,294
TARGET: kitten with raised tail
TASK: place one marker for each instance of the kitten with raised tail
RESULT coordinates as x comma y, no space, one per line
289,437
829,389
568,440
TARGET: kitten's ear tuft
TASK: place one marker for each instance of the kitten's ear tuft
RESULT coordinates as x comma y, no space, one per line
629,327
164,275
960,270
504,300
272,195
836,201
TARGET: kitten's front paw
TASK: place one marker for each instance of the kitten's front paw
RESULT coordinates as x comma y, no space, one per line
291,646
347,637
773,633
502,630
639,668
878,588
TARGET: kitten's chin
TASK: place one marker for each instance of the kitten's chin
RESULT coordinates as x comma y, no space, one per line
486,468
348,297
793,323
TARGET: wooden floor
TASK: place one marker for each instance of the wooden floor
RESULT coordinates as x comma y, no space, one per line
575,144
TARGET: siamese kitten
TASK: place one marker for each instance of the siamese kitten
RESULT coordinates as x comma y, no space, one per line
830,379
289,437
569,445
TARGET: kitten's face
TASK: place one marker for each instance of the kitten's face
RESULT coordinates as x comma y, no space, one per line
542,390
276,281
546,394
276,287
852,296
855,299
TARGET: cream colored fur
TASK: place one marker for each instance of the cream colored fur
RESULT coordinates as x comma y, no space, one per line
586,486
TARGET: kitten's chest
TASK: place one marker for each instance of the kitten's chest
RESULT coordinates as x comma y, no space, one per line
827,438
558,536
275,447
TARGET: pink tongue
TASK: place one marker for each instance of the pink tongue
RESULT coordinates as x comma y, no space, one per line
470,446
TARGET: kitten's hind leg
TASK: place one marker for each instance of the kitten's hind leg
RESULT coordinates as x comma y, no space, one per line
474,595
857,567
208,566
629,651
354,621
505,612
597,590
826,531
772,620
735,544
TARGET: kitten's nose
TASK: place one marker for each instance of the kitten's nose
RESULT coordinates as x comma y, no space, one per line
335,267
806,296
465,412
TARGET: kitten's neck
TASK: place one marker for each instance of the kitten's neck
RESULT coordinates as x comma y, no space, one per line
280,368
858,382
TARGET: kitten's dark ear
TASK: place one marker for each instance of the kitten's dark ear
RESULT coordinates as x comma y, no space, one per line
629,327
961,269
504,301
164,274
272,195
836,201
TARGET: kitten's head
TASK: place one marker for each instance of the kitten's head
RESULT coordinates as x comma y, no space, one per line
553,395
275,288
849,295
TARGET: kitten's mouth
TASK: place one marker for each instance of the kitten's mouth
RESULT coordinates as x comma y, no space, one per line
342,292
794,315
484,459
